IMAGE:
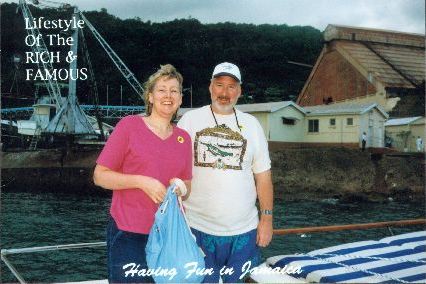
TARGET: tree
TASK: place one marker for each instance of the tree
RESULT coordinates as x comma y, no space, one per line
404,135
274,94
261,52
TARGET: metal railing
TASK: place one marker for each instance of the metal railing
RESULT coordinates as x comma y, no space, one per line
5,252
106,111
401,223
350,227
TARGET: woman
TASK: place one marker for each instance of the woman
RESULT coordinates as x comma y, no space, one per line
140,159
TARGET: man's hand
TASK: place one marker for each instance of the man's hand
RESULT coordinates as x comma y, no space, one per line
265,193
264,231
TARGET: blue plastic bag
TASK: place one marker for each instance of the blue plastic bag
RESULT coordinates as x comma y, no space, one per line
172,253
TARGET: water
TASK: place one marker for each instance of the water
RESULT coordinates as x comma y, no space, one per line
41,219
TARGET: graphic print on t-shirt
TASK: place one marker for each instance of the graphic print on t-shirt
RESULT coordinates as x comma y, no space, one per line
219,147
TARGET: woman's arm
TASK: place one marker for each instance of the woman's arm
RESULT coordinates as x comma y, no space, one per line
112,180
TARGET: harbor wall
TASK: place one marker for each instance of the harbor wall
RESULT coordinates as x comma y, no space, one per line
306,173
348,175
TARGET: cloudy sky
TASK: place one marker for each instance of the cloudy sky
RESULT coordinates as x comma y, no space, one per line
400,15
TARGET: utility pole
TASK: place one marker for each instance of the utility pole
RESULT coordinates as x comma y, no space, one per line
121,95
190,91
190,94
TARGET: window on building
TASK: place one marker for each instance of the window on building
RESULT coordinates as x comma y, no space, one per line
349,121
313,125
288,121
332,122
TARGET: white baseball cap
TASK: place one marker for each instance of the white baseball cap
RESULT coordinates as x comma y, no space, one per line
227,69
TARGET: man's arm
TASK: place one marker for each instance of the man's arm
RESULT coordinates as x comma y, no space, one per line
265,193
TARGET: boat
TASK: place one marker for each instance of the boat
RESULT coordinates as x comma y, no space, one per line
394,259
57,118
400,258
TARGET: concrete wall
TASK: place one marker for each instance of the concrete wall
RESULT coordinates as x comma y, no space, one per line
397,141
373,124
298,173
340,133
417,129
274,128
263,118
286,132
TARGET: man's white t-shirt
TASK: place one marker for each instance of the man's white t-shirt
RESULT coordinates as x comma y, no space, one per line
223,192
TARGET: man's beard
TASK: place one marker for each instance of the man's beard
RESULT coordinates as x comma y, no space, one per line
224,108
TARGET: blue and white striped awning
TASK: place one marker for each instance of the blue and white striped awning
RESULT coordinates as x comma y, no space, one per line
393,259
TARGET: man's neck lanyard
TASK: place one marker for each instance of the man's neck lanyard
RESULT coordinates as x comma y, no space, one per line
235,114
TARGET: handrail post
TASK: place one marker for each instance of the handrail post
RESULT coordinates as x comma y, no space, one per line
12,269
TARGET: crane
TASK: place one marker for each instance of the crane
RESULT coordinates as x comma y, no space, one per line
69,118
128,75
51,85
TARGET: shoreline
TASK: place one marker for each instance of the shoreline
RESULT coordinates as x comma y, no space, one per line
347,175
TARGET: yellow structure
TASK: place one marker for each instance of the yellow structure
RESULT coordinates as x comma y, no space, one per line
405,131
323,124
281,121
335,124
345,123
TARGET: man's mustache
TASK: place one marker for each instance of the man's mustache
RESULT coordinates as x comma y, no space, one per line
223,98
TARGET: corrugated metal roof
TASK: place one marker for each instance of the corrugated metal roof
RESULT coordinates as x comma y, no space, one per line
388,59
392,64
337,108
343,108
260,107
267,107
401,121
333,31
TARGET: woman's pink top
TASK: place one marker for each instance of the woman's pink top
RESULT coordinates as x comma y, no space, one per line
133,148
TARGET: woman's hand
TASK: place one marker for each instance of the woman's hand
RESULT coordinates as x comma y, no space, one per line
180,189
113,180
183,188
154,189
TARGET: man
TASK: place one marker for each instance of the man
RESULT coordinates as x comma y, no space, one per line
419,144
363,140
231,170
